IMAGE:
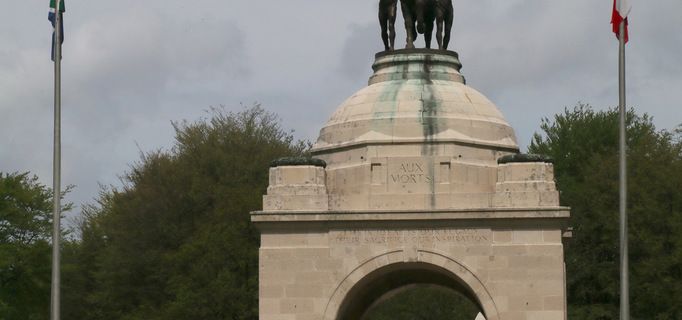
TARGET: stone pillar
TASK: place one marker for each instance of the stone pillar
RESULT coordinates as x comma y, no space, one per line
527,184
296,188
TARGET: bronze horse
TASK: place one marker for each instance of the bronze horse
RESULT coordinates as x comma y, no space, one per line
387,15
419,17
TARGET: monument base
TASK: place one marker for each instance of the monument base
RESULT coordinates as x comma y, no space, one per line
333,265
418,186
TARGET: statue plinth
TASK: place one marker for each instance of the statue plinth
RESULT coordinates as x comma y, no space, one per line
423,64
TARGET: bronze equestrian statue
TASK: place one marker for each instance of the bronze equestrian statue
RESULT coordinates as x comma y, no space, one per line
387,14
420,16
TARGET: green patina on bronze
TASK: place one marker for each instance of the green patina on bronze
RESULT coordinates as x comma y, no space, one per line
298,161
524,158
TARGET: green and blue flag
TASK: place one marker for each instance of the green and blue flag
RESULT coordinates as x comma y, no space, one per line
52,16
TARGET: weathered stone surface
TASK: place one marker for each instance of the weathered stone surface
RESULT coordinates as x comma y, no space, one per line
301,187
413,190
525,184
516,272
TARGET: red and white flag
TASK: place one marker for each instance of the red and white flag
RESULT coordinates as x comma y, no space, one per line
621,9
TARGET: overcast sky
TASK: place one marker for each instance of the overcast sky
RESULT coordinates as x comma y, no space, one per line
131,67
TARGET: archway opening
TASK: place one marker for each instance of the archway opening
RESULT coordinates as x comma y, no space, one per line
431,302
410,291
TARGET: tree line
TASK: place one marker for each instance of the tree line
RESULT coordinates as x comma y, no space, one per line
175,240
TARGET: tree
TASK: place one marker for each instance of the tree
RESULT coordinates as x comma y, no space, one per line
584,146
425,302
25,249
176,241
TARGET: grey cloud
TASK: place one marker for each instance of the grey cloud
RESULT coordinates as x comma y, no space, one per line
358,49
133,66
122,86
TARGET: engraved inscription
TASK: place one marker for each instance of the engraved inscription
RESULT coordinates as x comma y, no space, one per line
460,237
410,173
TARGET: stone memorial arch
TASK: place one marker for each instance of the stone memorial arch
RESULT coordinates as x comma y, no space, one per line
416,180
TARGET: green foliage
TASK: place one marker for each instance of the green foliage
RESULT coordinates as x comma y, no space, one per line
584,146
176,241
25,250
425,302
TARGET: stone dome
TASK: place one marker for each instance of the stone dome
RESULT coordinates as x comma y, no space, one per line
417,96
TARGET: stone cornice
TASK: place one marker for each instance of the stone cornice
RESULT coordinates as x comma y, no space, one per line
561,213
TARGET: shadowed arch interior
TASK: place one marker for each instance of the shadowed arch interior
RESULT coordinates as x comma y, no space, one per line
386,281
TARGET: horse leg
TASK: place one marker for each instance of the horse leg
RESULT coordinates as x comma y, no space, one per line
439,31
384,36
428,34
411,33
383,20
391,24
414,33
448,29
409,25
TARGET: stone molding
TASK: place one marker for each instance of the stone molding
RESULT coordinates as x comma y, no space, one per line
560,213
429,256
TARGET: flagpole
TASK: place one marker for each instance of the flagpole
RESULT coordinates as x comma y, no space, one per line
624,279
56,169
